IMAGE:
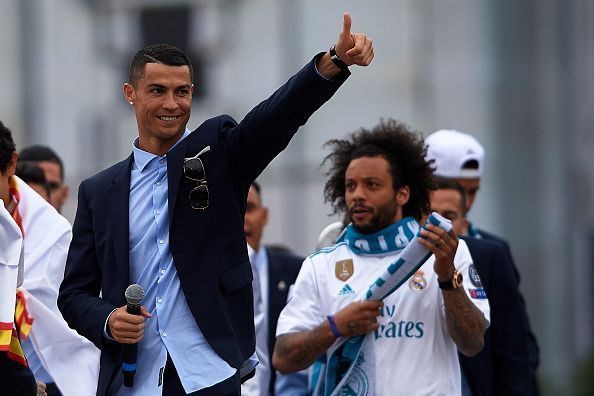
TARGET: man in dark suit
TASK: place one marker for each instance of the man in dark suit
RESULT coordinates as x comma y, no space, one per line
277,268
459,156
503,366
170,219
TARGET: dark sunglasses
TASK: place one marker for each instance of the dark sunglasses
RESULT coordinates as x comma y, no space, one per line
194,171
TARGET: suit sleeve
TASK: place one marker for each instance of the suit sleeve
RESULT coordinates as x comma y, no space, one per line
267,129
512,374
79,299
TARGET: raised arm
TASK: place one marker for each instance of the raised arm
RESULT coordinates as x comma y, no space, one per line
351,49
466,323
267,129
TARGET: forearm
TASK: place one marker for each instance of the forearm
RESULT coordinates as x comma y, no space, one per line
297,351
326,67
466,323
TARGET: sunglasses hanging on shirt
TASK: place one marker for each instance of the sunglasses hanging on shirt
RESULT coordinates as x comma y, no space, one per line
195,172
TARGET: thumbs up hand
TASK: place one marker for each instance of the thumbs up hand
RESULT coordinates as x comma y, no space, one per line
353,48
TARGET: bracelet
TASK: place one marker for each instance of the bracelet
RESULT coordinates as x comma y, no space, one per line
336,60
333,327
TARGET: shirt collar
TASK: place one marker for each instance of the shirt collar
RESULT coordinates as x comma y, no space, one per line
260,257
142,158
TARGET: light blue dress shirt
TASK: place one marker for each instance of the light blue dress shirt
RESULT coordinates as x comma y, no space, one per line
172,327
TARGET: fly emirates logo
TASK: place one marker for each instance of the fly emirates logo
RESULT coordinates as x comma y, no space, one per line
398,329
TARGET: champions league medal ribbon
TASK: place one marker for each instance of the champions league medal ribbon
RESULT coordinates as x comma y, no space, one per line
356,353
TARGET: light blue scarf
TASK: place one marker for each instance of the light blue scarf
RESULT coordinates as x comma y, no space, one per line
386,241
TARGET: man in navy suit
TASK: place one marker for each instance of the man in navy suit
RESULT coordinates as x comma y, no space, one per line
170,218
503,366
277,269
459,156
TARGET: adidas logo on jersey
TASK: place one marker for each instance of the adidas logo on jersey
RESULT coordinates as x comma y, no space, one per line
346,290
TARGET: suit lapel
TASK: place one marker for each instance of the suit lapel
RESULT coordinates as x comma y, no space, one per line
119,200
175,161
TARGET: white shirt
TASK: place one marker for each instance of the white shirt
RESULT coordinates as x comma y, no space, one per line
258,384
414,352
11,264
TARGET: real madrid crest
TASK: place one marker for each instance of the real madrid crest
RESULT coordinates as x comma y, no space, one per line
344,269
417,282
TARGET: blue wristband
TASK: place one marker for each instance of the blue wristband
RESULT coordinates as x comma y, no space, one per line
333,327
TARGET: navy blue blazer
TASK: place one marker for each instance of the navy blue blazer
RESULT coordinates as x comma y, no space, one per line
503,366
283,268
208,246
533,349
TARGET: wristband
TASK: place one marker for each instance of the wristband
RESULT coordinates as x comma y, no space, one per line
333,327
336,60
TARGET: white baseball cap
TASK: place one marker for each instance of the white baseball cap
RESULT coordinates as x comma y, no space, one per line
452,149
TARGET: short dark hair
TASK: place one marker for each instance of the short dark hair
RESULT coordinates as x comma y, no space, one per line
41,153
158,53
404,150
31,172
7,147
445,183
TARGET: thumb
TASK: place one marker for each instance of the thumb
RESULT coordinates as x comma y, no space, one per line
145,313
346,24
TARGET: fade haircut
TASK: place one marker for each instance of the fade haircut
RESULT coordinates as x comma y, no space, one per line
403,149
159,53
445,183
7,147
39,153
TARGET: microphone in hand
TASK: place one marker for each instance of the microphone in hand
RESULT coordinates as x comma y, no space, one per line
134,295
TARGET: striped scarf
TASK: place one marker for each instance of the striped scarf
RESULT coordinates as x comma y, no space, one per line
10,332
350,369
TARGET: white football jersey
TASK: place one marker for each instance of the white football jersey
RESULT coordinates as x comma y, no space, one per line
414,353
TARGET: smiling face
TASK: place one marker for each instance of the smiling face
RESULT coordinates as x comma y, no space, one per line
372,202
162,100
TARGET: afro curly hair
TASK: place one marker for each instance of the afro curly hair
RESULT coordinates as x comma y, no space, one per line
405,152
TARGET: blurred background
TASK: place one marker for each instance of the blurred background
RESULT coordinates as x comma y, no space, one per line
518,75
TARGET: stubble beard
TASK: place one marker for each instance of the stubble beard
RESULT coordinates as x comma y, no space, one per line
382,218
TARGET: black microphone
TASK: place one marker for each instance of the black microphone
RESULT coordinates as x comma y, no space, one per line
134,294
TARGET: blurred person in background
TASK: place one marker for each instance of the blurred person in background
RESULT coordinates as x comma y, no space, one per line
32,174
53,167
170,218
381,179
53,350
503,366
459,156
277,270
